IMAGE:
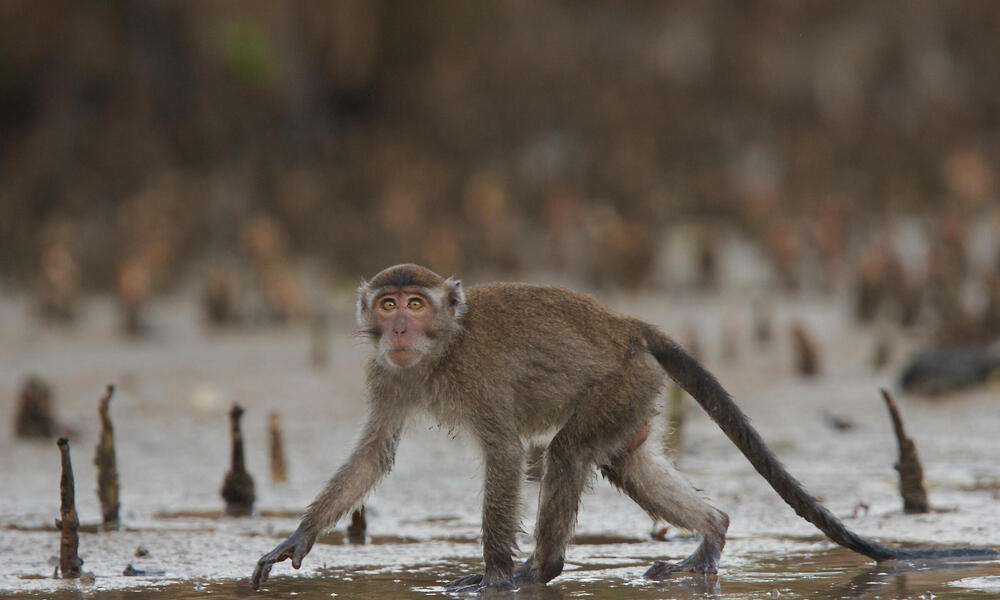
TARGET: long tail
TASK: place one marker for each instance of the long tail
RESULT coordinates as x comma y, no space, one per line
704,388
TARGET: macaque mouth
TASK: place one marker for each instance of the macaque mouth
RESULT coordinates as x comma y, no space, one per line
403,356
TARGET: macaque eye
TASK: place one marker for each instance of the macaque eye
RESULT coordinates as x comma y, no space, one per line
415,304
388,304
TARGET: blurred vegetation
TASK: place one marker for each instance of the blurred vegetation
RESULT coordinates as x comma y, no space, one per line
136,137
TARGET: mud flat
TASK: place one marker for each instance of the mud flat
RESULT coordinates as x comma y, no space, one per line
175,388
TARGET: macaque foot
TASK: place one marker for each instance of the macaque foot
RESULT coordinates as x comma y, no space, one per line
461,583
531,573
701,561
525,575
476,583
662,569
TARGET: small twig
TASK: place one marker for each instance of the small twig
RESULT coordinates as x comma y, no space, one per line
69,540
237,487
279,471
107,468
806,356
359,525
34,410
911,473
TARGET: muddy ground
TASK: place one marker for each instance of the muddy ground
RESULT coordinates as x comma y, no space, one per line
176,385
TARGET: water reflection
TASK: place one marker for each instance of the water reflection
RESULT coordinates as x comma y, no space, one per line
913,578
833,573
694,586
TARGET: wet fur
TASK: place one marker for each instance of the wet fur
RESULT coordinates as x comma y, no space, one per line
526,361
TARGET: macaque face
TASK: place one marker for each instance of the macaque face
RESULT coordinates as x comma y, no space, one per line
402,318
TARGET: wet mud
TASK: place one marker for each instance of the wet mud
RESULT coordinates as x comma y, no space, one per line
802,574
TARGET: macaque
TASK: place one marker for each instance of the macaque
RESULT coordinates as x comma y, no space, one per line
509,363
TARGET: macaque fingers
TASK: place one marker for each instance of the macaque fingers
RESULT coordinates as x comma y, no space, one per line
261,572
295,547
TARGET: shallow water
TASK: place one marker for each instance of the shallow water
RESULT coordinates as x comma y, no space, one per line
423,520
831,573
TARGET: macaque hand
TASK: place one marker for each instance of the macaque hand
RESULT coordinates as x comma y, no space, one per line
295,547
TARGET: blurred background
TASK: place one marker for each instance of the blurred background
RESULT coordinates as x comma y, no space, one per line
145,144
804,194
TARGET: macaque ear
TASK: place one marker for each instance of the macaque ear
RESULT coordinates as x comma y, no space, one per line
361,309
454,297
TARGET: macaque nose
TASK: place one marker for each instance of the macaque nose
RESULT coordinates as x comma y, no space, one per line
399,326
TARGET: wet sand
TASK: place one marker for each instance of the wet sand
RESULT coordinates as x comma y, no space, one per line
175,388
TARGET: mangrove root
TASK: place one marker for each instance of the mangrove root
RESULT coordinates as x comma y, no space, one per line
356,530
107,468
279,472
237,487
34,410
806,356
68,523
911,473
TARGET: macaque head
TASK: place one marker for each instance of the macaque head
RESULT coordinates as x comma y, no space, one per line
410,313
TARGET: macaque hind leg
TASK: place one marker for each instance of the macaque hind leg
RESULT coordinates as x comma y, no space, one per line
563,481
660,491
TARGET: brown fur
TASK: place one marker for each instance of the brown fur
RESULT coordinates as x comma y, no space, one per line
519,362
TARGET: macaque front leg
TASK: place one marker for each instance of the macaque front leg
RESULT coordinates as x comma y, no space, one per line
371,459
501,505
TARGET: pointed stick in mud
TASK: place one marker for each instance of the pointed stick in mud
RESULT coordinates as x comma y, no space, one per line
676,410
806,357
34,410
217,296
279,472
911,473
869,286
237,487
68,523
107,467
356,530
